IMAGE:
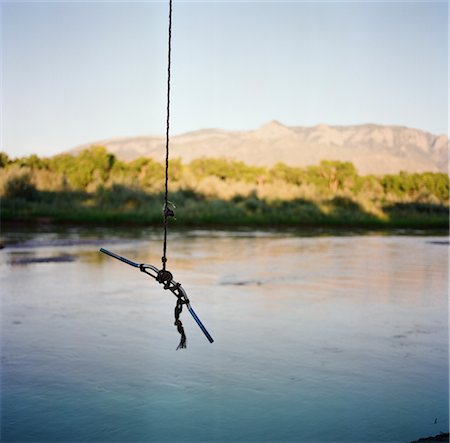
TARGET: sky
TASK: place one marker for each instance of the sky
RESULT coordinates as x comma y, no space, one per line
83,71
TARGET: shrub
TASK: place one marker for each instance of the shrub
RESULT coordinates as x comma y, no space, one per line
20,186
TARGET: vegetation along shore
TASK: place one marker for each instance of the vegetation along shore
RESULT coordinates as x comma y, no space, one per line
96,187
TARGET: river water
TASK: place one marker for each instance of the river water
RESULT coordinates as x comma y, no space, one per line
318,337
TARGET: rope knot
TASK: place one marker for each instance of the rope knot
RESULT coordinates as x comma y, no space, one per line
164,277
167,212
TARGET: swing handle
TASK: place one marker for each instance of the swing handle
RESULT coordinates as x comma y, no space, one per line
200,324
173,286
119,257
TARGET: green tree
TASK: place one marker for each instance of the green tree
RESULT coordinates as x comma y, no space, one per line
227,170
93,164
289,174
332,175
4,159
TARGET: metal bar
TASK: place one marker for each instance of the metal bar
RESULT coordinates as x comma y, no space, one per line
119,257
194,315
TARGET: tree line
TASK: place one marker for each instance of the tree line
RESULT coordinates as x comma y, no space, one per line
95,169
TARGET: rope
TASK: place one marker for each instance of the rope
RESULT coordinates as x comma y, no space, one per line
167,212
164,275
179,325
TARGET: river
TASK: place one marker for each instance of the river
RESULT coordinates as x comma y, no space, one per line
319,337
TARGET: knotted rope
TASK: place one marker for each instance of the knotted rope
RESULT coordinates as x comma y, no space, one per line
179,325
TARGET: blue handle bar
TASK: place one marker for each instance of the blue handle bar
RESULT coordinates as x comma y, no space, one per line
194,316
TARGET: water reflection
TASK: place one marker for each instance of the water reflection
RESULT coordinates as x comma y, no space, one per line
329,338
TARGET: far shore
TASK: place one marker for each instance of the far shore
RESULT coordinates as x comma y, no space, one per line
57,224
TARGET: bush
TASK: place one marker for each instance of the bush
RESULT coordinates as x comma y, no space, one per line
20,186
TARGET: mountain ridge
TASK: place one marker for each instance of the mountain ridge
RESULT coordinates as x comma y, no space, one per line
372,148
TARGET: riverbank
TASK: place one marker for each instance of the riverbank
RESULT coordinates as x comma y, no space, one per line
97,188
193,210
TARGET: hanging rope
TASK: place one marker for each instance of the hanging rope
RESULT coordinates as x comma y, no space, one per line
165,276
167,212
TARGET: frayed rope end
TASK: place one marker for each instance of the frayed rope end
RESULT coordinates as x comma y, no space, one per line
183,343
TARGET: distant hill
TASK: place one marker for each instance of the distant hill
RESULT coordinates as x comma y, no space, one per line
373,149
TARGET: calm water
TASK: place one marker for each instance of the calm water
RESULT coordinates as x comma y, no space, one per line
318,338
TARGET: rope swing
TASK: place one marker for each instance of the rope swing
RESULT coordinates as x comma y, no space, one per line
163,276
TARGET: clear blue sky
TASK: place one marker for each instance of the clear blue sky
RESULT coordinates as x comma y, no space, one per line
76,72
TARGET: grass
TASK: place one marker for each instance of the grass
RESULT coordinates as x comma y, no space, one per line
122,205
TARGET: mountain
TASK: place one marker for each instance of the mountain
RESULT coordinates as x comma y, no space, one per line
373,149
